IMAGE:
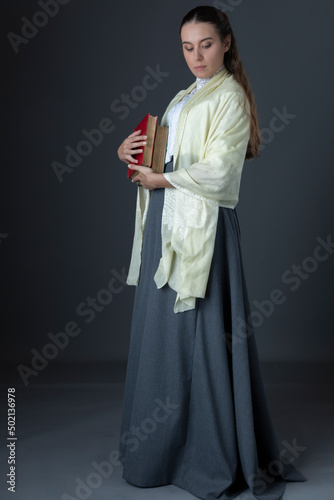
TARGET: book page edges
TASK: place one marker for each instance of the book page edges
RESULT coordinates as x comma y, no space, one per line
159,152
150,132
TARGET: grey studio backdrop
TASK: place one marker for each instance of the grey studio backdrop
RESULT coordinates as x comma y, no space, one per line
78,76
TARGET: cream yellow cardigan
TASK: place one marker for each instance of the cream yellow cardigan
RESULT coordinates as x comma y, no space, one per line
209,152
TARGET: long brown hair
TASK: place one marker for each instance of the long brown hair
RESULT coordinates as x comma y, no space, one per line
232,62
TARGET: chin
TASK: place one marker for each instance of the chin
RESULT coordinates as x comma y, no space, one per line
205,73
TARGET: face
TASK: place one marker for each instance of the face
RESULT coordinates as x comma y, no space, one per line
203,49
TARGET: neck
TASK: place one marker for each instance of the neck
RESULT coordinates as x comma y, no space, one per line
201,81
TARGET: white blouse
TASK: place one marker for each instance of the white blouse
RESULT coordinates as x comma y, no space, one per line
174,113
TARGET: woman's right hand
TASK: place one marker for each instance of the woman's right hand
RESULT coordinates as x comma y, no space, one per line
131,146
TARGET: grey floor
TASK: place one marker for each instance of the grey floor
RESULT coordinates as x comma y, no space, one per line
65,428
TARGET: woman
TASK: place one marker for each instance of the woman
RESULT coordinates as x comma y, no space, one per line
195,413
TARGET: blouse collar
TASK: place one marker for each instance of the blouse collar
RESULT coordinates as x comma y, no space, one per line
202,81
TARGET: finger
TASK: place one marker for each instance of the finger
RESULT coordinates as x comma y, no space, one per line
140,168
137,144
134,151
137,135
135,178
131,160
136,175
137,139
136,132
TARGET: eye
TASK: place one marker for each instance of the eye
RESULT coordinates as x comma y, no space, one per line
207,46
188,50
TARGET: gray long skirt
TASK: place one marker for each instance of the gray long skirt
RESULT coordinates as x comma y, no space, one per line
195,412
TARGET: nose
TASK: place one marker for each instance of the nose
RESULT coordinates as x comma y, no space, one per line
197,54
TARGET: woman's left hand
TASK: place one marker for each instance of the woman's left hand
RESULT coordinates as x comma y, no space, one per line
148,179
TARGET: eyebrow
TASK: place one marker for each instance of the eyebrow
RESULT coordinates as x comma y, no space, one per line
208,38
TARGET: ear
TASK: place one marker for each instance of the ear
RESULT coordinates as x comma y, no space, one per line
227,43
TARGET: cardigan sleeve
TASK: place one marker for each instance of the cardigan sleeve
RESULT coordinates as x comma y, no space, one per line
217,174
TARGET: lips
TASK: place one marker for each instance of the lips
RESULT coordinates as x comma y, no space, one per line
200,67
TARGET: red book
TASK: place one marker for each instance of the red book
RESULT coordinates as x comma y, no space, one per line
153,154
